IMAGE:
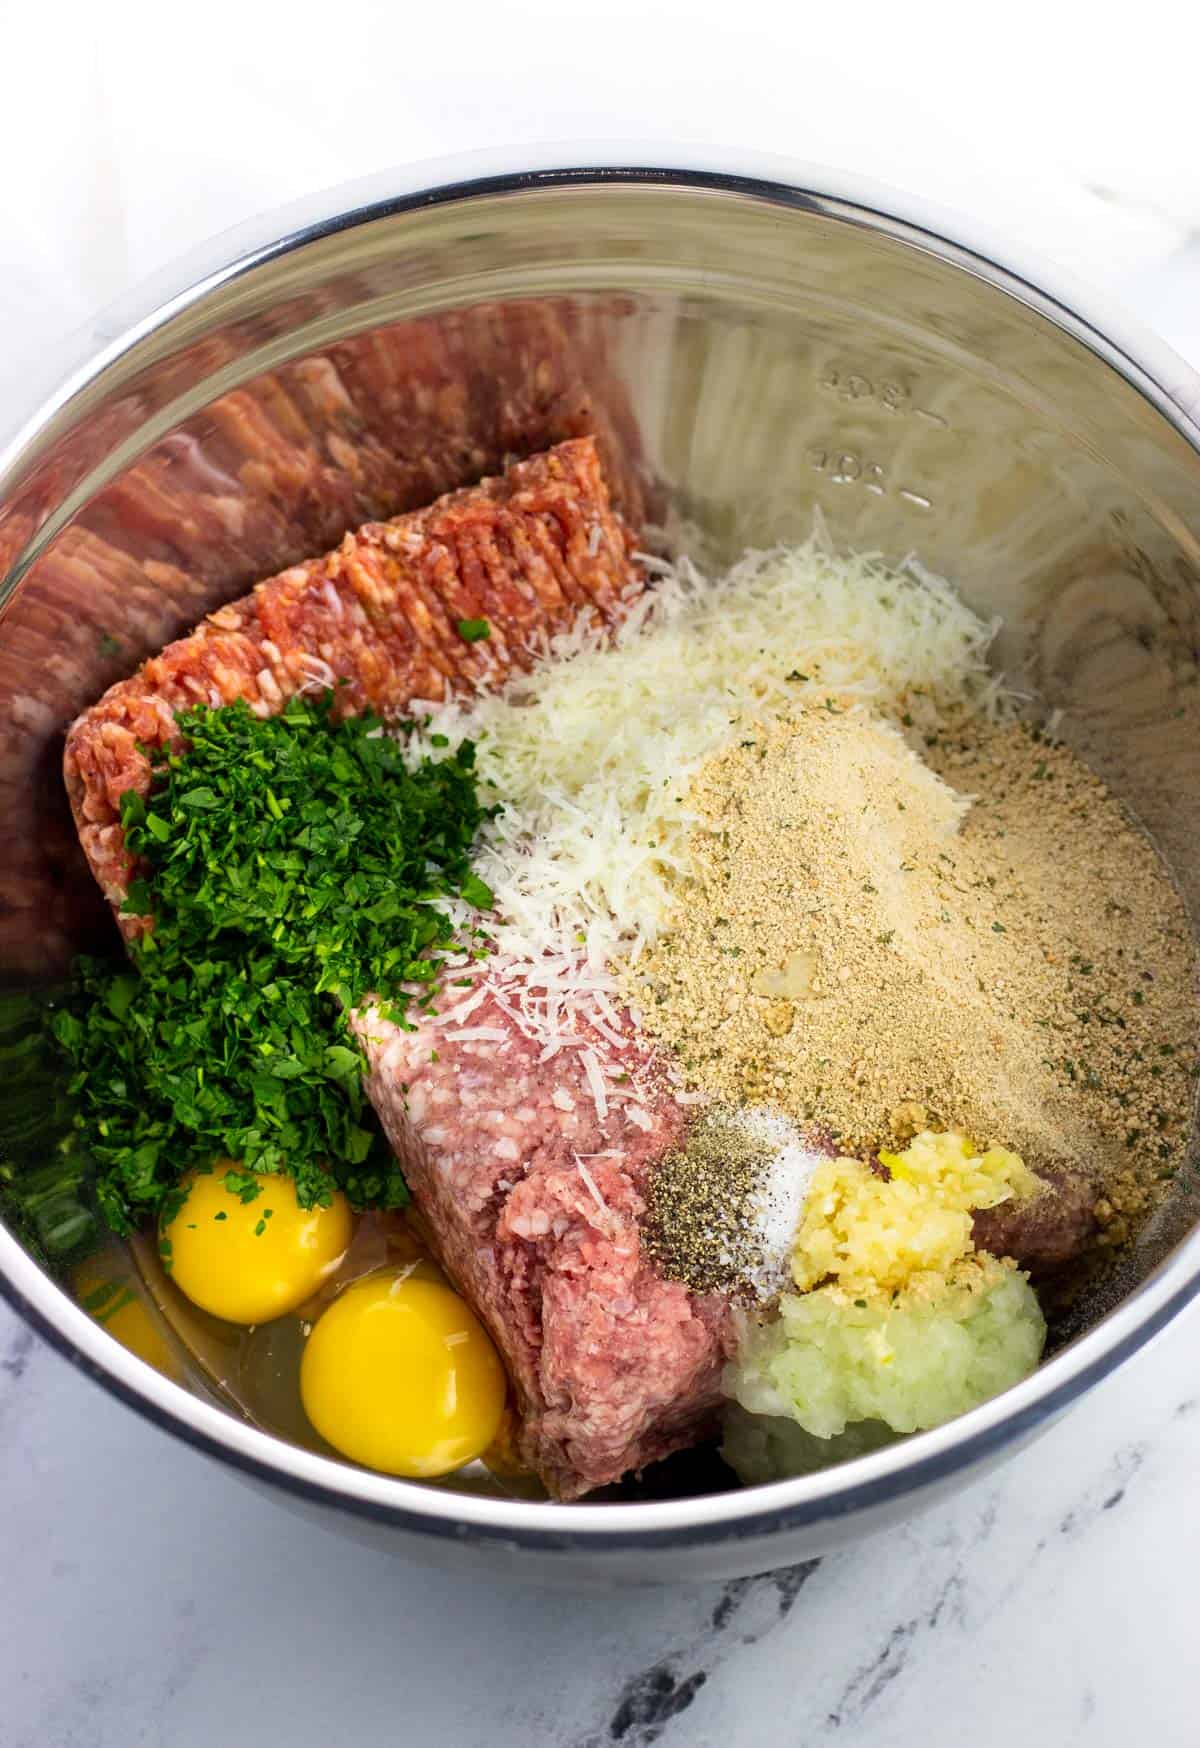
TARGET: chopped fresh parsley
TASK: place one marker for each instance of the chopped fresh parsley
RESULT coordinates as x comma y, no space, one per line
293,867
474,630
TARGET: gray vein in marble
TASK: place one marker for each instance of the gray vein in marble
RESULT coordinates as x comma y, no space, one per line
18,1347
654,1697
871,1680
1105,1494
16,1355
649,1702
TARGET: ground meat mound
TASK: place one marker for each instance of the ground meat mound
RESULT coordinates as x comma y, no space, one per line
1046,1232
533,1199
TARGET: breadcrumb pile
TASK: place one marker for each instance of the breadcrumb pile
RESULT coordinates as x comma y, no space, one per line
874,947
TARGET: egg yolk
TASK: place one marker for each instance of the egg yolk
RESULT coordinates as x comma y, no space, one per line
400,1375
251,1261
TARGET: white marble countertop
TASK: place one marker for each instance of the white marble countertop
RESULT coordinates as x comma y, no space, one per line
150,1597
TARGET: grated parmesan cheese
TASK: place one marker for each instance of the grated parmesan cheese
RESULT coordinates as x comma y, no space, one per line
590,1181
595,1080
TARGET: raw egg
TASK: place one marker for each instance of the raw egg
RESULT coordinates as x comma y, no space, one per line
249,1261
400,1375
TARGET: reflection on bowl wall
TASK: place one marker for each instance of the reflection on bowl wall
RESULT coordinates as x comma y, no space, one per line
749,353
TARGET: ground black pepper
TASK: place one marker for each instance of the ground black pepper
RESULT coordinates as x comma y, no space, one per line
699,1224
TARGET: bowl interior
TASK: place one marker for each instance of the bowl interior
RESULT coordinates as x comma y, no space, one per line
748,356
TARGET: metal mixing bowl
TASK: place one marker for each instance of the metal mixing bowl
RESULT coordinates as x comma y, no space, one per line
749,347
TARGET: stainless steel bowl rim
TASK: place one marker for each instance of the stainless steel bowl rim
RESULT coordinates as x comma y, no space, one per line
918,1463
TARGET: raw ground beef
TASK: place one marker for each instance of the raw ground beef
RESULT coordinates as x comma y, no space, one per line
533,1199
1043,1233
527,552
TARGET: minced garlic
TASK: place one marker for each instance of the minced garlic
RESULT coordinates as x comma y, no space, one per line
957,1174
870,1235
